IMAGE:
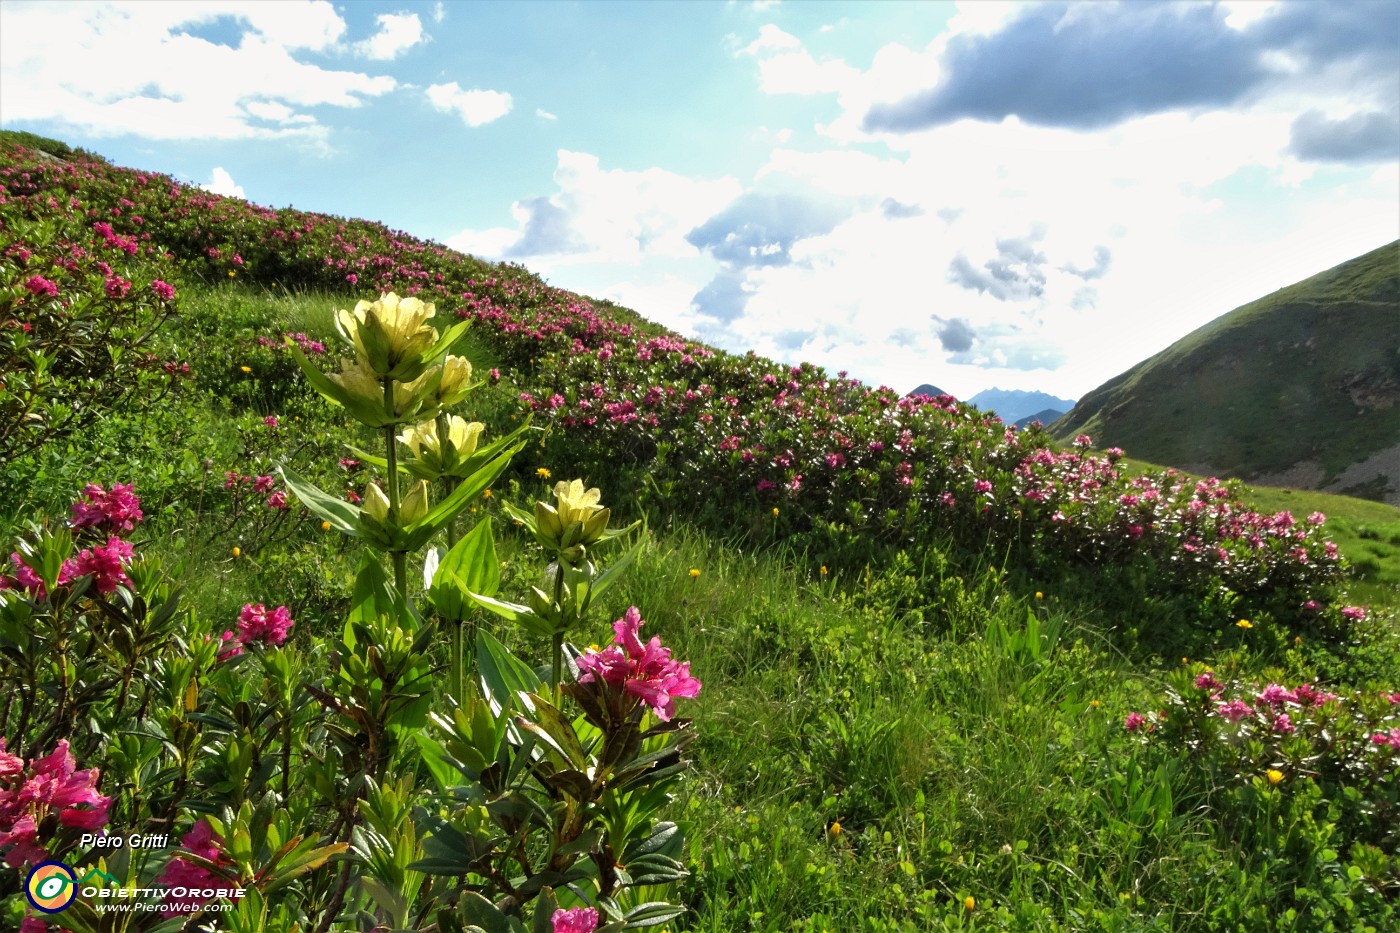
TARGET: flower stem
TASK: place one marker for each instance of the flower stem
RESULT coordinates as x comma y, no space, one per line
558,665
391,457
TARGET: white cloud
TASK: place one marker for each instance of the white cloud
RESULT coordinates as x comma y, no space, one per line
770,39
439,11
606,217
222,183
797,72
545,114
475,107
113,69
398,32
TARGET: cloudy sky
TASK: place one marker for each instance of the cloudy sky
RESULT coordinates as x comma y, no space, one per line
1023,195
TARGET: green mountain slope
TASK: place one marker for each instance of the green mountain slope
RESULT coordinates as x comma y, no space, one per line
1299,388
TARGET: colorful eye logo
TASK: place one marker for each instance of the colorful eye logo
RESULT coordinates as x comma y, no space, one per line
51,887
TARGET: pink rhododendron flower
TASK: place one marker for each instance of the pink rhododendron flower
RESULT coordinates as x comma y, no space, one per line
40,286
1276,695
577,920
1134,722
117,511
163,289
1235,710
644,670
105,563
278,501
263,484
1355,613
201,840
50,786
1390,739
255,623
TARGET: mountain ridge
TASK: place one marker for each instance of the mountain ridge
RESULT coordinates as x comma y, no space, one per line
1300,387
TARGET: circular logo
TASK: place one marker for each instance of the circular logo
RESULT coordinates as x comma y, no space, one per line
51,887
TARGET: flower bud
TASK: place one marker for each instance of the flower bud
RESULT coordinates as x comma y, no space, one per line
435,455
376,504
415,504
359,380
456,374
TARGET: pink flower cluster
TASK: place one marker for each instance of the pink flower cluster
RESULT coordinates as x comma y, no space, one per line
276,500
106,563
577,920
256,624
645,671
46,786
116,511
202,841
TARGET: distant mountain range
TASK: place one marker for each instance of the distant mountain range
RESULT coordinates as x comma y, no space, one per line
1300,388
1014,405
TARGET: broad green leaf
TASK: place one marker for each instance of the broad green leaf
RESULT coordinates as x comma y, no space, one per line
503,675
341,514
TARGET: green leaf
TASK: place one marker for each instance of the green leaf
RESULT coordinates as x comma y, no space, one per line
503,675
373,596
545,906
301,864
559,732
511,612
614,571
471,566
361,409
418,533
481,912
652,914
435,757
342,515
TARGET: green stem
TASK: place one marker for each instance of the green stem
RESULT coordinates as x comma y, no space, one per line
391,457
558,659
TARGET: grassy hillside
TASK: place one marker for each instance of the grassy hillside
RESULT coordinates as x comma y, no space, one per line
954,677
1299,385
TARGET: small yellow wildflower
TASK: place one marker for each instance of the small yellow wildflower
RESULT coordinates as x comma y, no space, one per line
325,526
1297,639
1244,623
543,473
1095,704
486,494
231,273
1039,594
1274,775
237,552
245,369
694,572
835,829
823,570
775,511
970,902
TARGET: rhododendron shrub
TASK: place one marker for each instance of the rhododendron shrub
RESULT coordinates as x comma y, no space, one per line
80,318
1313,769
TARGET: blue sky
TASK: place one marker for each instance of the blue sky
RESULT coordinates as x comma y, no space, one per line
1023,195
